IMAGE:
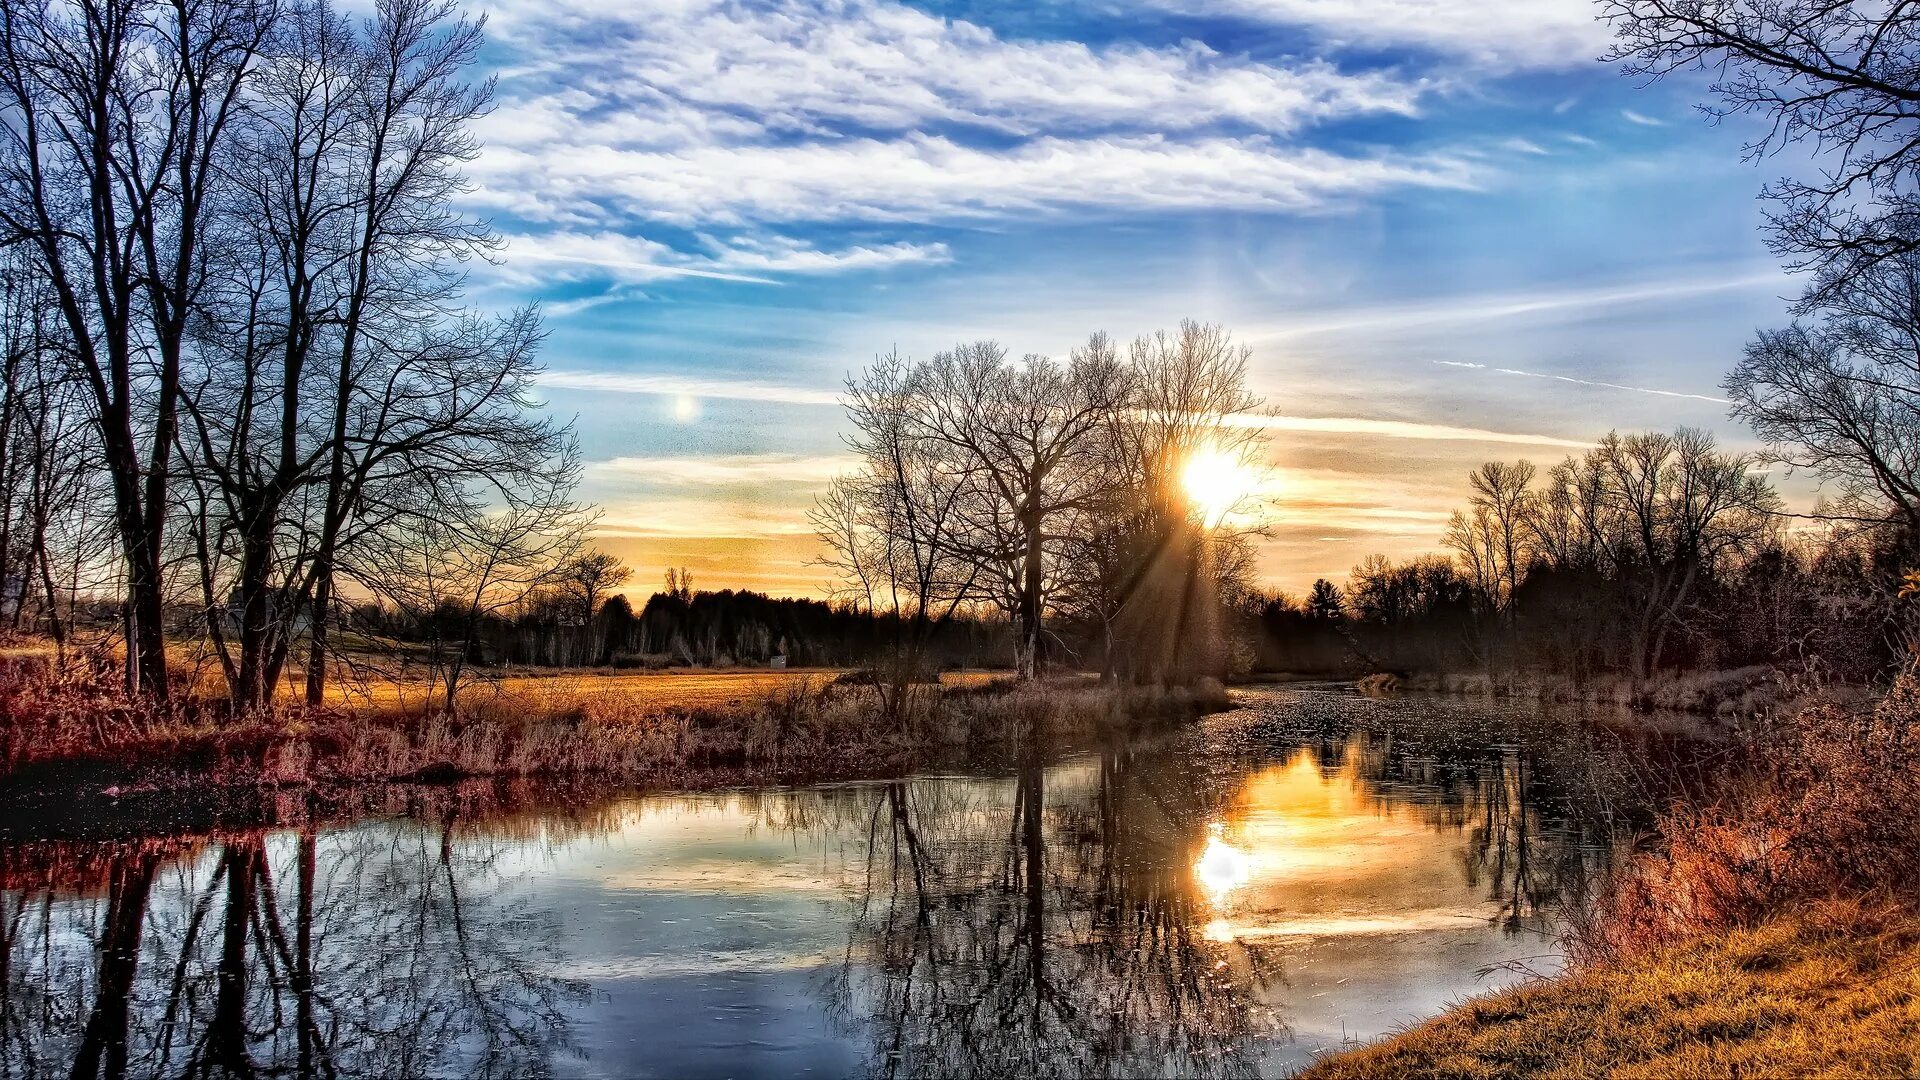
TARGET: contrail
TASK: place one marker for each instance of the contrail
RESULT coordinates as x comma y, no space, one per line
1584,382
1400,429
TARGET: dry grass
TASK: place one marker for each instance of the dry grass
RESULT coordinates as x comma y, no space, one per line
687,688
1825,806
646,727
1829,992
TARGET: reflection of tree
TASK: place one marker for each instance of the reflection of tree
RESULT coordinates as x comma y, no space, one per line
1050,929
1542,802
383,950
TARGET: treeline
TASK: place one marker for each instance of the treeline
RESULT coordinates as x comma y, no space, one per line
1649,552
238,379
1089,503
564,625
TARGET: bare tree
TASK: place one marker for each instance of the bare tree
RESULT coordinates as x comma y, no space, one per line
1492,535
1050,489
333,373
118,113
1840,393
1844,77
1674,509
896,528
1150,565
1025,438
458,559
585,582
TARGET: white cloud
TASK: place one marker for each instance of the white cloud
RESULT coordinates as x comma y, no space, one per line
726,469
1480,308
1642,118
1494,33
704,113
676,385
1585,382
1401,429
923,177
779,254
538,260
655,69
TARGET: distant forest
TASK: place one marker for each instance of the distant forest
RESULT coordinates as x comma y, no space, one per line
681,627
1649,553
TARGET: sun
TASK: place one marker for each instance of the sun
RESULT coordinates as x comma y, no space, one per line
1215,482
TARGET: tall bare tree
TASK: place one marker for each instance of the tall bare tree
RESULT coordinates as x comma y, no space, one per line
1025,437
118,115
1839,392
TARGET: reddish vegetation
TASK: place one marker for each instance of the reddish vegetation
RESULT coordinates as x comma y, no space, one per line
1825,807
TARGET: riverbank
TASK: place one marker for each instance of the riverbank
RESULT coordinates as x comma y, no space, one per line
1773,929
68,731
1817,993
1731,694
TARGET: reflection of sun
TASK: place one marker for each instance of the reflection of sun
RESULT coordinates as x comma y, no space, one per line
1222,867
1215,482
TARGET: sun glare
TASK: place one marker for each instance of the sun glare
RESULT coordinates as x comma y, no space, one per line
1222,867
1215,482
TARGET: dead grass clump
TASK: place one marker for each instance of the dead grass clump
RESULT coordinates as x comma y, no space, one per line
51,713
1824,807
1378,684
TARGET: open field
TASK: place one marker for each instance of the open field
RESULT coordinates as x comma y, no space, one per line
675,688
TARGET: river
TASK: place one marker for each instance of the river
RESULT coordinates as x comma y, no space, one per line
1310,870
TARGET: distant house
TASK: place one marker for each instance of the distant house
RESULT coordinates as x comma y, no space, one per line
777,660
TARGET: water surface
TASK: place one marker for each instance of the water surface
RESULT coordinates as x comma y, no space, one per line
1312,870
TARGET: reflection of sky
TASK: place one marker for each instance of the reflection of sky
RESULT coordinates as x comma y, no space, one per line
711,930
1377,922
707,934
703,934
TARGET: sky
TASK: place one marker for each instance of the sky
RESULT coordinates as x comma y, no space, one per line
1448,232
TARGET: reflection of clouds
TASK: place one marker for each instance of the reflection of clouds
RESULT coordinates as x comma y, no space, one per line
717,962
1325,858
1359,925
722,875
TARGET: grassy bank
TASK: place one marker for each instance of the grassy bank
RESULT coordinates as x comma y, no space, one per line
1772,930
1740,692
1818,993
70,728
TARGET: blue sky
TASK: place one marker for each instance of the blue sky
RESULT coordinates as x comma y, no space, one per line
1447,231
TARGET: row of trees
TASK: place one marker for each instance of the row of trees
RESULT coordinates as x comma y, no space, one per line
1052,493
565,624
1648,552
237,370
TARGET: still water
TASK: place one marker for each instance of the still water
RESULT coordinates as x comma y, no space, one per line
1310,870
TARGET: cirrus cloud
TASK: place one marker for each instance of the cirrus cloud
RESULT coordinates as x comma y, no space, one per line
702,114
